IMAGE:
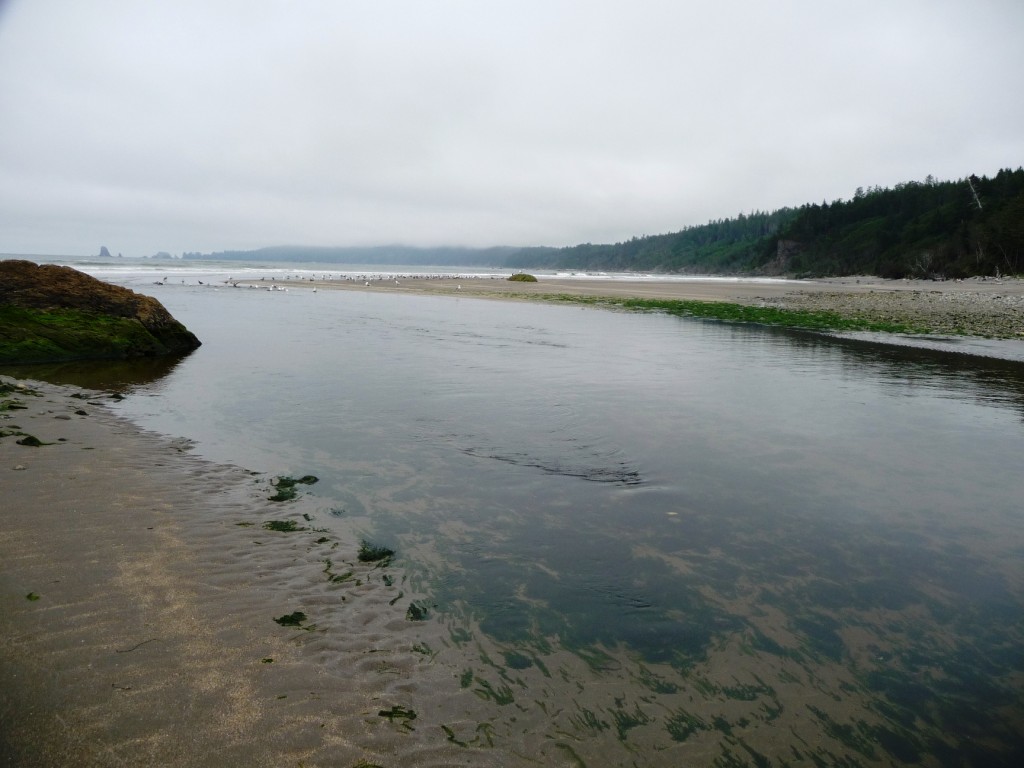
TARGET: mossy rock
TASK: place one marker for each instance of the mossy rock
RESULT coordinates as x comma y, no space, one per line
522,277
50,313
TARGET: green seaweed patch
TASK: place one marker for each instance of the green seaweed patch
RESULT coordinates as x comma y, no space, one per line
417,611
626,720
266,660
294,619
681,725
746,692
501,695
466,679
655,683
853,738
41,336
423,649
31,441
484,733
285,486
32,597
371,553
282,526
597,660
283,494
587,720
450,735
522,277
401,714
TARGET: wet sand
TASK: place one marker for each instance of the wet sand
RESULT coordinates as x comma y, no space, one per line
138,592
973,307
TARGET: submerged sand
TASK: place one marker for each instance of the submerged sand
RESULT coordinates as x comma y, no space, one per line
138,592
139,588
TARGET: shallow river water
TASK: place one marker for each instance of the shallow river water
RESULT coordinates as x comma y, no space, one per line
666,541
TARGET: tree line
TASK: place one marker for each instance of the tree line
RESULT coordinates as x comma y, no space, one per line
940,229
972,226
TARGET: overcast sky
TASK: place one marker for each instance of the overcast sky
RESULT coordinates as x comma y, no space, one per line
215,124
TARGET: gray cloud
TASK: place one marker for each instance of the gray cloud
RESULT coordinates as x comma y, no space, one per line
220,124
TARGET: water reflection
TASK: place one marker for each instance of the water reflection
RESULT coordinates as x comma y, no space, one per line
798,548
105,375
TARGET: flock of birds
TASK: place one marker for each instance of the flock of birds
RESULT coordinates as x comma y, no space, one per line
367,280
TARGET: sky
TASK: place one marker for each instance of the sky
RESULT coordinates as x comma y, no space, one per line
207,125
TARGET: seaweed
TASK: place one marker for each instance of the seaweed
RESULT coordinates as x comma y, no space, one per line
371,553
293,619
681,725
422,648
285,486
500,696
399,713
625,720
416,611
655,683
32,597
587,720
283,526
283,494
450,734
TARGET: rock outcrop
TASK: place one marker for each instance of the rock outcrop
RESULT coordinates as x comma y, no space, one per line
50,313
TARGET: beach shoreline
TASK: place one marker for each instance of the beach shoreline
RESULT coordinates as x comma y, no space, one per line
139,592
139,598
987,308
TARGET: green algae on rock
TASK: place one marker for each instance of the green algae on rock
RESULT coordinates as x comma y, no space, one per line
50,313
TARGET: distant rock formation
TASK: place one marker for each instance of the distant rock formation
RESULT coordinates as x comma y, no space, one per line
50,313
104,253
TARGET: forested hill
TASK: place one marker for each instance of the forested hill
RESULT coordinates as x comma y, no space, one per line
974,226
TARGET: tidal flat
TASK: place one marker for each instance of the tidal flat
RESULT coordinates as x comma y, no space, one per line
615,539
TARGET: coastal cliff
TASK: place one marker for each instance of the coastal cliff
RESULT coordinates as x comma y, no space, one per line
50,313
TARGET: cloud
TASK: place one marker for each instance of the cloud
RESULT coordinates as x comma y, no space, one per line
221,124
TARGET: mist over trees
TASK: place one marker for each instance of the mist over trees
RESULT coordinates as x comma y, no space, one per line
974,226
930,228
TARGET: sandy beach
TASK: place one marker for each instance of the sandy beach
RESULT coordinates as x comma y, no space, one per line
139,591
977,307
140,587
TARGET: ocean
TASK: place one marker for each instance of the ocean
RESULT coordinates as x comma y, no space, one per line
650,534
